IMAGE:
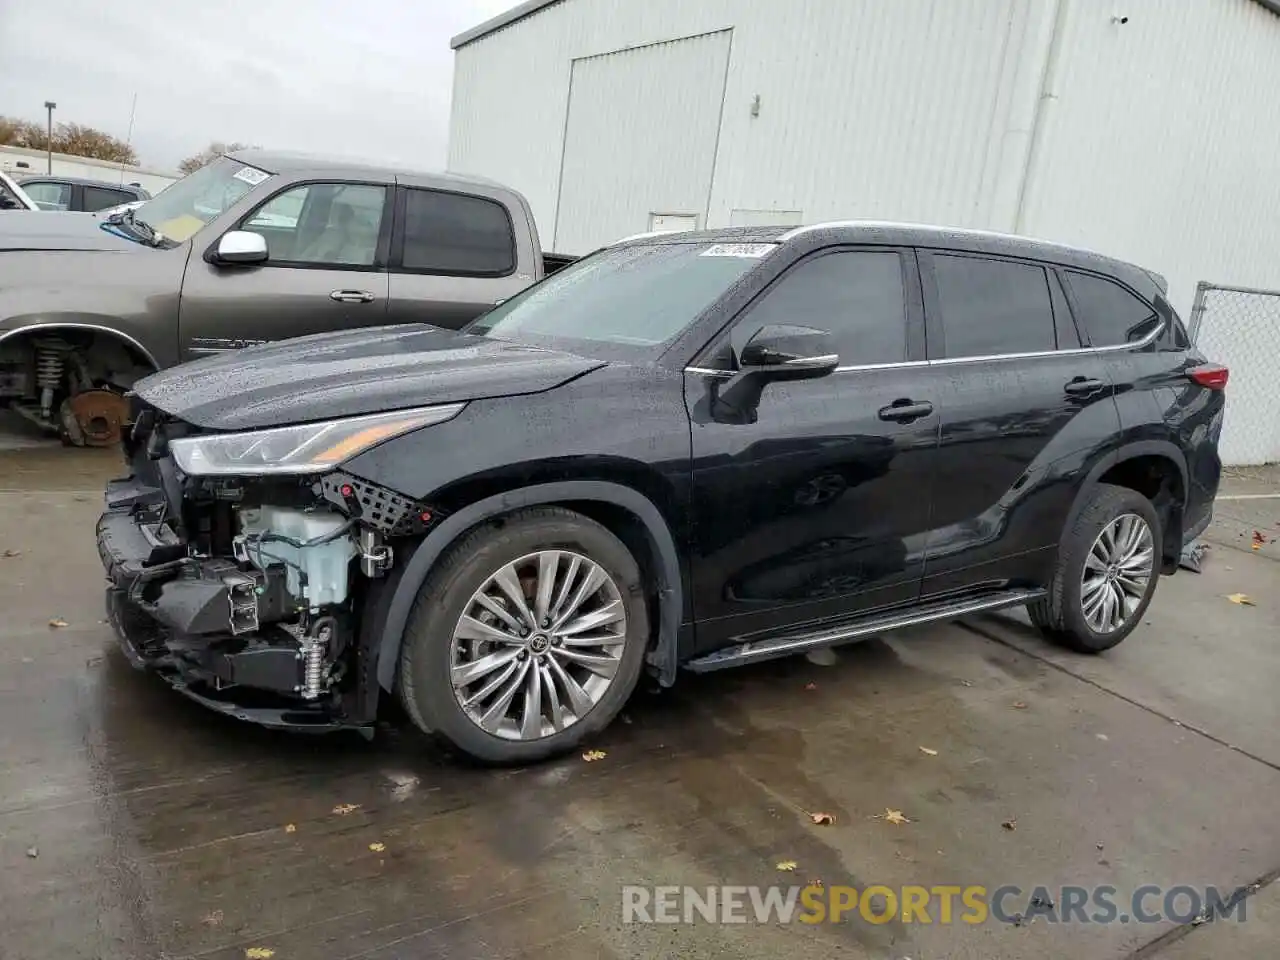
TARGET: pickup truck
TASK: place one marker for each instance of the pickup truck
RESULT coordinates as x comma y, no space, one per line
254,247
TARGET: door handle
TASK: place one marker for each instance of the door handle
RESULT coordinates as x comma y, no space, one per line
904,411
352,296
1083,387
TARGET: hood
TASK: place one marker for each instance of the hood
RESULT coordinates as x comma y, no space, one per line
345,374
41,230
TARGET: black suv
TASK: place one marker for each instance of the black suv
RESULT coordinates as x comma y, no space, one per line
689,451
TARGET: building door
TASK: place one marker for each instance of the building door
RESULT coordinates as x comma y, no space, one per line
640,138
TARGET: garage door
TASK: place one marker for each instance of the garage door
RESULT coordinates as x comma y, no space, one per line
640,139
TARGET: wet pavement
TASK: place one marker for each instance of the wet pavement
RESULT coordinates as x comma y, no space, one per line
161,830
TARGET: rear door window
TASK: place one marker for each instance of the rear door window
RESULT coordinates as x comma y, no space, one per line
992,307
856,296
101,198
455,234
1111,315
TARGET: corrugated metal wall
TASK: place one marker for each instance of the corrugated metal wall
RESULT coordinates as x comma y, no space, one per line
1153,139
1161,140
866,108
616,173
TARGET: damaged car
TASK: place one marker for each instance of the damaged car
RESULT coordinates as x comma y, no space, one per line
682,452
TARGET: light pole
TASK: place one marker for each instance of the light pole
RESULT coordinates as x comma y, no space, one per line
49,107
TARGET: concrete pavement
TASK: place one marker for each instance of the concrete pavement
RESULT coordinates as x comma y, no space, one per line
161,830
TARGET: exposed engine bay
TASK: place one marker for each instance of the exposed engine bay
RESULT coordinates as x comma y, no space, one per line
71,382
245,592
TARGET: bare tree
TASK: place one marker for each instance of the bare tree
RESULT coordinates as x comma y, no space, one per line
70,138
209,154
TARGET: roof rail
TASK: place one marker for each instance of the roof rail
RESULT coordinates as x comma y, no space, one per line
639,236
942,228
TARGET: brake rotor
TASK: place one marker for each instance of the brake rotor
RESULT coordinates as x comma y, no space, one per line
94,418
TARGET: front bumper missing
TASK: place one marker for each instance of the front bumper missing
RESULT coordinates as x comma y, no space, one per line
149,603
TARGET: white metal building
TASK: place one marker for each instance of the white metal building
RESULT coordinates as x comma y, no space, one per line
1147,129
19,162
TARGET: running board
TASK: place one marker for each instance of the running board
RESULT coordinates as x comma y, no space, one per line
783,645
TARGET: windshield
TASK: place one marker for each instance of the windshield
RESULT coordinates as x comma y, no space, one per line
180,210
639,296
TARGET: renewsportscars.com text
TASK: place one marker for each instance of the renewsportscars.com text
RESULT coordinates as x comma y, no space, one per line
939,903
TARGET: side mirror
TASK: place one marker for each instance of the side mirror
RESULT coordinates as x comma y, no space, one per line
774,352
241,246
790,353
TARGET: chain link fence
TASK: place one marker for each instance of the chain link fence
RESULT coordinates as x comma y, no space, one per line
1239,327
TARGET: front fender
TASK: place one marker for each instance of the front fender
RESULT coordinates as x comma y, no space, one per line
388,625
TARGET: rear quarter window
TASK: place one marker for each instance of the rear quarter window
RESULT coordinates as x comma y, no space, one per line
1110,315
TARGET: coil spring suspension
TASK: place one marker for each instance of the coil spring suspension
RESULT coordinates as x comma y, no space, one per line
313,648
51,364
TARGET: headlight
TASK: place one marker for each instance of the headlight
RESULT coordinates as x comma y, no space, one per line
305,448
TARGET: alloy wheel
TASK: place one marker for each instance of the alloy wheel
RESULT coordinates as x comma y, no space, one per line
1117,571
538,645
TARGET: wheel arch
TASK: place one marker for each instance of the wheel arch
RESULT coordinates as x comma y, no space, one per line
1125,467
53,327
592,498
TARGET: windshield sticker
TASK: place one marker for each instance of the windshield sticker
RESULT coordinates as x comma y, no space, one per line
752,250
251,175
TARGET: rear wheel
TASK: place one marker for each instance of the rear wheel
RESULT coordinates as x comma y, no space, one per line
1108,566
526,639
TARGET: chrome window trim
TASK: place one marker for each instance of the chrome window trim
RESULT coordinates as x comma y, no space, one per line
1034,355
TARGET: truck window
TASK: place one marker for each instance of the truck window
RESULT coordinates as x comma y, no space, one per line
322,224
992,307
451,233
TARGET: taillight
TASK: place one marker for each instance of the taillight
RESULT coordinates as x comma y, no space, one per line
1209,375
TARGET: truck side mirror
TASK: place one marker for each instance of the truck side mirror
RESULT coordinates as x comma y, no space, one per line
242,246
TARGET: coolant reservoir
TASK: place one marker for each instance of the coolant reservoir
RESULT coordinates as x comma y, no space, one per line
326,565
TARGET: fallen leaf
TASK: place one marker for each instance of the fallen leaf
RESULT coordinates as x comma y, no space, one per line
1256,545
33,852
811,685
290,828
57,623
1241,599
213,919
1259,537
259,953
377,847
9,554
926,750
593,755
1011,824
815,883
895,817
787,865
822,819
1019,705
343,809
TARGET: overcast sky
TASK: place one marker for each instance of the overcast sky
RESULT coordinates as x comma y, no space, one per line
368,78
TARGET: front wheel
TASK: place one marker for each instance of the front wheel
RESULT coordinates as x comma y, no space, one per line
527,638
1108,566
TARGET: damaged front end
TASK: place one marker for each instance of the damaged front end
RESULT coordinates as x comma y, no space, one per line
240,563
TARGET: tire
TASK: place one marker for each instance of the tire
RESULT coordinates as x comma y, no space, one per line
428,656
1061,616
